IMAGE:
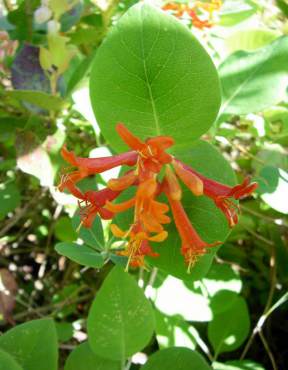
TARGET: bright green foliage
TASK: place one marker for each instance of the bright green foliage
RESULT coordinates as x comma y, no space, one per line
228,330
39,98
121,320
82,254
250,39
64,331
25,344
176,358
155,72
64,230
93,236
7,362
153,75
236,11
238,365
253,81
82,358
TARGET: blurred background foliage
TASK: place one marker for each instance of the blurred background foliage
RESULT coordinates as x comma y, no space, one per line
46,50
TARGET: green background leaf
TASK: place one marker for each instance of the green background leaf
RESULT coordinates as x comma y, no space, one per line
153,75
82,358
7,362
120,320
25,343
92,236
176,358
228,330
252,81
250,39
82,254
39,98
64,230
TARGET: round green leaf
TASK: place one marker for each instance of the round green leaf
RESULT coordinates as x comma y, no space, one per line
152,74
9,198
82,254
250,39
274,191
253,81
33,343
121,320
7,362
64,230
92,236
236,11
39,98
228,330
82,358
207,219
64,331
176,358
238,365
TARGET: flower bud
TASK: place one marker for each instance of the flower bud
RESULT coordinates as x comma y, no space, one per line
42,14
53,27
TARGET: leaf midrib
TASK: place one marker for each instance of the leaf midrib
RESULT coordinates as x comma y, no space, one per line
154,110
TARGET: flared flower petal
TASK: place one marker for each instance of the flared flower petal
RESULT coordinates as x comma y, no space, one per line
131,140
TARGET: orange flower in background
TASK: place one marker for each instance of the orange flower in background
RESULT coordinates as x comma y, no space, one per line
200,13
153,172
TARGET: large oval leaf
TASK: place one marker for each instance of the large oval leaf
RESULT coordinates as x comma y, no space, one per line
253,81
121,320
228,330
153,75
33,343
176,358
82,358
207,219
7,362
82,254
92,236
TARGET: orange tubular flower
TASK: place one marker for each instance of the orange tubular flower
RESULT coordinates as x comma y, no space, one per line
205,9
222,194
192,245
148,158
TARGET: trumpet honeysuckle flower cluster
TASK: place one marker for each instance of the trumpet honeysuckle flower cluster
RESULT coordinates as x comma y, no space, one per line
201,13
153,172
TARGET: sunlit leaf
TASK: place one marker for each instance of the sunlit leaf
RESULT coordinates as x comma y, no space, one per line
252,81
25,344
120,320
82,358
82,254
7,362
176,358
152,74
228,330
